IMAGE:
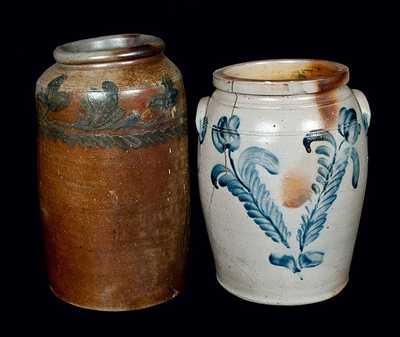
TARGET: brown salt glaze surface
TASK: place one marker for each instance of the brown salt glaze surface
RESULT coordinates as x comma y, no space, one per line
135,75
115,212
114,238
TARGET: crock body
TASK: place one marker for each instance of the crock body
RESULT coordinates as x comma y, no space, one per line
113,177
282,180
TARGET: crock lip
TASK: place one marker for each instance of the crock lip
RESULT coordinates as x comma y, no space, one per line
248,86
83,51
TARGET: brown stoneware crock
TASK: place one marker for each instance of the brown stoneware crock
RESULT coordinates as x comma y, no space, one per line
113,173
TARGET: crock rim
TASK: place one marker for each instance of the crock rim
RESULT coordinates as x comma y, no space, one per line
225,81
109,48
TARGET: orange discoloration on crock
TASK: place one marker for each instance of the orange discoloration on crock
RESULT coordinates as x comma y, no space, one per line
326,97
295,189
328,108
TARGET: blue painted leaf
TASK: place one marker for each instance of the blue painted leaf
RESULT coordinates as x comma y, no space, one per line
311,259
219,145
320,211
249,189
364,118
127,122
324,162
323,172
348,126
341,166
318,136
230,181
255,155
327,199
249,206
277,230
345,117
216,171
203,129
236,190
132,120
217,138
315,188
323,150
320,217
234,142
330,175
225,134
299,234
335,180
255,214
246,198
356,167
286,261
234,122
354,132
320,179
330,190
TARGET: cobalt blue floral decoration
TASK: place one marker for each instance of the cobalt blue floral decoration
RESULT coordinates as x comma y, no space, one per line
282,174
225,134
243,181
348,126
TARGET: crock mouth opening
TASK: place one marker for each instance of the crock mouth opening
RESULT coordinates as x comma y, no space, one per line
281,77
109,48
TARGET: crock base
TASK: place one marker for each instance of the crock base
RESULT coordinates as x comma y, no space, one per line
116,309
290,302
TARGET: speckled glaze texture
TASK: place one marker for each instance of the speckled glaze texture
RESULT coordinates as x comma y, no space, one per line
282,166
113,173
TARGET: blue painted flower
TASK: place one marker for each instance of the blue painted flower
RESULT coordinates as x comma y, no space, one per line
348,125
225,134
203,129
349,128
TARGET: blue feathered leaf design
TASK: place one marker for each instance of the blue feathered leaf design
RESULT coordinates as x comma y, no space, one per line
364,119
286,261
203,129
128,121
331,169
216,171
271,219
348,126
255,155
225,135
356,167
246,185
324,150
318,135
311,259
243,181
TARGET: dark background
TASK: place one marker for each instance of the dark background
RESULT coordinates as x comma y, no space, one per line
201,37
